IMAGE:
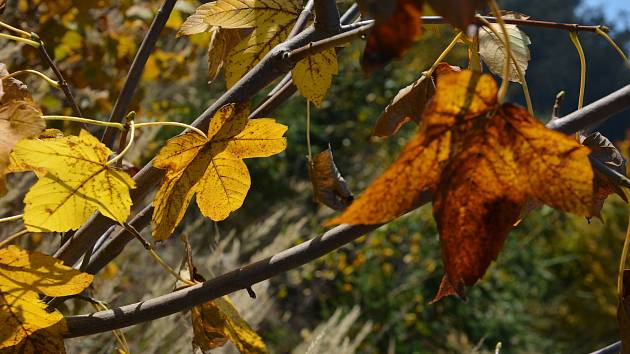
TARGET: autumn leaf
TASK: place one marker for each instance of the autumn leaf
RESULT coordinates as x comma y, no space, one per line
221,43
482,161
460,13
493,53
216,322
20,118
212,168
28,327
77,183
393,35
329,186
313,75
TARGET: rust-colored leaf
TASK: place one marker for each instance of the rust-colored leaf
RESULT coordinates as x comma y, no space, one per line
329,187
393,35
460,13
482,161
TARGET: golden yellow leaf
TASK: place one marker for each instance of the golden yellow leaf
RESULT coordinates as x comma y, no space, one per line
27,325
221,43
77,183
313,75
250,51
216,322
212,168
20,118
242,14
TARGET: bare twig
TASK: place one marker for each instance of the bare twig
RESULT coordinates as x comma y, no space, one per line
137,67
611,349
63,84
291,258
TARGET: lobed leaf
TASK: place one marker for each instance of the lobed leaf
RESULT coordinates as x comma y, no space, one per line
313,75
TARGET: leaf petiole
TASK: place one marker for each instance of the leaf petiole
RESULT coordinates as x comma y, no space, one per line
603,33
624,252
86,121
14,29
576,41
132,131
443,55
13,237
508,50
173,124
20,39
50,81
12,218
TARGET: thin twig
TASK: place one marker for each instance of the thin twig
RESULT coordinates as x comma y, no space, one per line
12,238
137,67
60,79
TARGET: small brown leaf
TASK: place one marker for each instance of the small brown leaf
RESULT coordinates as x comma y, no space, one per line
329,186
623,314
460,13
392,36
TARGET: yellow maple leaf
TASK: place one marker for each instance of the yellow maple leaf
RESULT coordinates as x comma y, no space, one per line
216,322
212,167
77,183
27,326
20,118
313,75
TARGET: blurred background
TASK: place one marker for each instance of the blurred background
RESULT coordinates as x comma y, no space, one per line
552,289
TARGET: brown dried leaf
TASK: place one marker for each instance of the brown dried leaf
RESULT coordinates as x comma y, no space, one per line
392,36
329,186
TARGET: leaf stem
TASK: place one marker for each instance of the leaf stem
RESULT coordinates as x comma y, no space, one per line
624,252
15,29
13,237
576,41
173,124
508,50
12,218
132,230
86,121
519,72
20,39
50,81
443,55
602,33
308,130
132,131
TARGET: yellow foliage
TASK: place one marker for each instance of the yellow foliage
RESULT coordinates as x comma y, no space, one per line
78,182
212,167
313,75
27,326
216,322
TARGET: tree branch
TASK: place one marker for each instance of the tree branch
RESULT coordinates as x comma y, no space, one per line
611,349
137,67
291,258
327,17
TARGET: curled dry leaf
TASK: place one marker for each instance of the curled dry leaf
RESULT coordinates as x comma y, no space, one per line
409,103
313,75
605,152
482,161
212,168
392,35
216,322
493,52
329,186
20,118
27,326
76,183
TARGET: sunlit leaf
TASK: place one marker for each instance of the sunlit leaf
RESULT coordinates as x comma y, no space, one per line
493,52
221,43
313,75
27,325
78,183
212,168
242,14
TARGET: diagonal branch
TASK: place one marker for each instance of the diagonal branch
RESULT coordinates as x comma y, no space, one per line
291,258
327,17
137,67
